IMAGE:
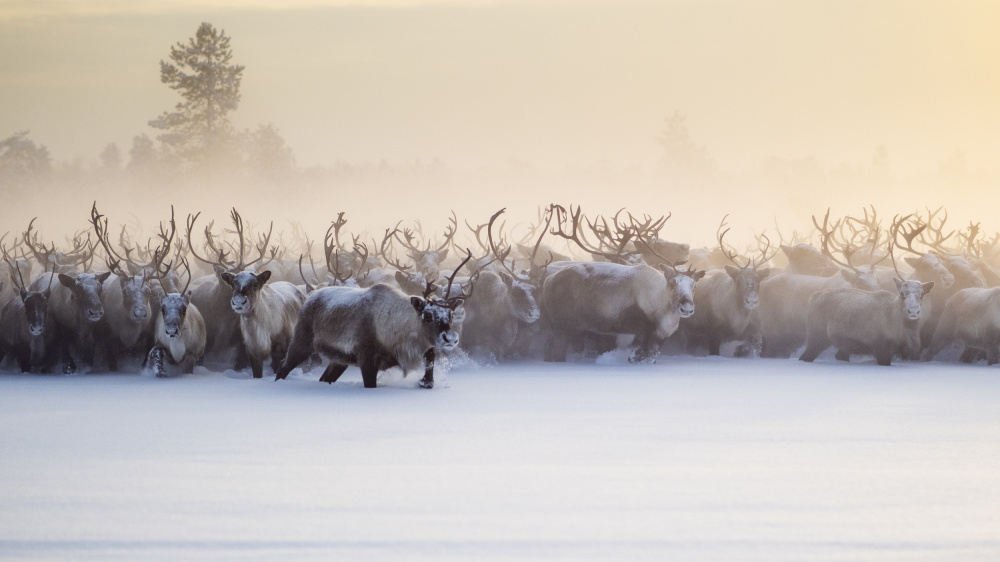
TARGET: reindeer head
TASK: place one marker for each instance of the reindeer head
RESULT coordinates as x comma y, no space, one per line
36,307
681,283
910,295
435,322
246,287
86,289
173,310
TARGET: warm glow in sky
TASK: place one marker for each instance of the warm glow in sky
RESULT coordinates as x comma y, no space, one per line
547,82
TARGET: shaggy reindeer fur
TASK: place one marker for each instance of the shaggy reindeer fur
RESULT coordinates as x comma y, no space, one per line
128,320
375,329
179,334
607,298
76,306
971,316
882,323
267,315
28,332
784,307
725,310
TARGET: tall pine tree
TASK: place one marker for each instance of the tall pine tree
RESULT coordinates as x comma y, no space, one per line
198,131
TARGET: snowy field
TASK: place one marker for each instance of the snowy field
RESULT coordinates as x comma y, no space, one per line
688,459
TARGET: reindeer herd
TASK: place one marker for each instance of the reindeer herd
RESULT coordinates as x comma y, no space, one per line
903,290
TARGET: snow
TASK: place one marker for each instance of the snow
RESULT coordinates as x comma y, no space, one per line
693,458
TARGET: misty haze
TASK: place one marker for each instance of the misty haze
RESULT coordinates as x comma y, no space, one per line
586,280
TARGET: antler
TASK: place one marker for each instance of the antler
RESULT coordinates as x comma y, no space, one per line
575,219
897,230
939,238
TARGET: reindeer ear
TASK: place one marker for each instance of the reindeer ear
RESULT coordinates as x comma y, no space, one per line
928,286
103,277
698,274
912,261
787,249
187,296
507,279
226,277
899,283
24,293
67,281
263,276
848,275
732,271
400,278
418,304
443,254
763,273
668,271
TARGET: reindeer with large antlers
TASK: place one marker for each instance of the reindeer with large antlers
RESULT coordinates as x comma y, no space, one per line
130,297
785,297
211,294
375,329
883,323
726,303
266,312
612,298
505,301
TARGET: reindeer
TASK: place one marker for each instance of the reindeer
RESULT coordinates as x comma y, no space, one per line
211,295
375,329
726,304
927,267
505,302
971,316
883,323
127,324
179,334
785,297
267,315
428,261
27,330
75,304
855,321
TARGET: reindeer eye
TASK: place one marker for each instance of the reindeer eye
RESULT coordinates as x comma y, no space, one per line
428,316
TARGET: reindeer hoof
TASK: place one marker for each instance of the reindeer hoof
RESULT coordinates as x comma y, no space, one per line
426,384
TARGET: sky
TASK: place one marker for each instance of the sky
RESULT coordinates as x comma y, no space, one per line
547,82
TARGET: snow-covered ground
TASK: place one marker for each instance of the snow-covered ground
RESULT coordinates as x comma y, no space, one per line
690,459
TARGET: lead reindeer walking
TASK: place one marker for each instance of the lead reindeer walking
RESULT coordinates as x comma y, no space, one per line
375,329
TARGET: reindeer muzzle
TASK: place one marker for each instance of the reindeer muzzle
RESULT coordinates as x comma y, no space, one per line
447,341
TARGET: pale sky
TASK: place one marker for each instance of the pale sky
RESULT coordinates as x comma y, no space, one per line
547,82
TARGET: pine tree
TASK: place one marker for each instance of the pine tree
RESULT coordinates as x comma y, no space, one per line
198,131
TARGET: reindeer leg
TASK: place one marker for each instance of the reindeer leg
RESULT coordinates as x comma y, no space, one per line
332,372
428,380
883,357
369,373
257,366
155,360
24,360
969,355
298,351
993,355
843,355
